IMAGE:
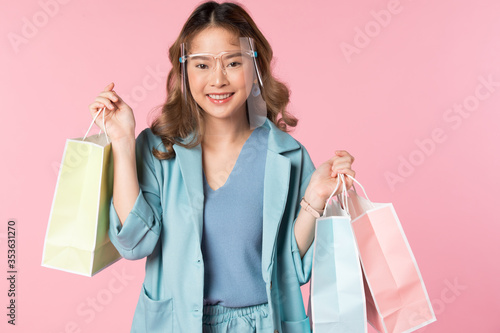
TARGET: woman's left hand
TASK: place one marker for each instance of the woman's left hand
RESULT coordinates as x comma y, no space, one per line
325,178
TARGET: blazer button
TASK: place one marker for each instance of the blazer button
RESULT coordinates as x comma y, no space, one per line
271,285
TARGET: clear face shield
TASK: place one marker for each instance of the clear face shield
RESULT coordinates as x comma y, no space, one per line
220,75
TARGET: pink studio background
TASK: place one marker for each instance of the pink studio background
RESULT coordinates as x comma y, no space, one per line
381,103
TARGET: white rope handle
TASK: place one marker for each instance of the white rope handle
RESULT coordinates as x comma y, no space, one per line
344,194
364,192
103,121
344,197
331,195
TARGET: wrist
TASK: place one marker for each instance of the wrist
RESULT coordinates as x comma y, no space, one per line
123,146
315,201
124,140
308,208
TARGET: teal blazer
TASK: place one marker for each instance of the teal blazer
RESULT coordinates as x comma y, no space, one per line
165,225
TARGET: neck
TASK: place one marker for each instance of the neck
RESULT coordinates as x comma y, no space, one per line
225,132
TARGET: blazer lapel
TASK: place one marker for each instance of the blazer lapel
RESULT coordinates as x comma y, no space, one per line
276,186
276,180
190,163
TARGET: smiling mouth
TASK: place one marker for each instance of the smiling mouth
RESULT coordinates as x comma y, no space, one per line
220,96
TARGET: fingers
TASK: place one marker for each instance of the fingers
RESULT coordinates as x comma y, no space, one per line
348,172
342,160
340,167
108,100
348,180
105,102
95,107
109,87
105,99
344,153
336,172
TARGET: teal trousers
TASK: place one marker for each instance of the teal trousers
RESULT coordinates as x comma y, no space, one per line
251,319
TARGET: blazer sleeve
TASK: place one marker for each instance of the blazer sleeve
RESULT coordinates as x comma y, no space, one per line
303,266
140,232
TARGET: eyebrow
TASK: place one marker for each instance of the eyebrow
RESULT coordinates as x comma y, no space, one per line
235,54
200,57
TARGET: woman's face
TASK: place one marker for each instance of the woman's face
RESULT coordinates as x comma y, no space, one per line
220,95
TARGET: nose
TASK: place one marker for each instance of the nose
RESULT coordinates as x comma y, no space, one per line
218,77
219,65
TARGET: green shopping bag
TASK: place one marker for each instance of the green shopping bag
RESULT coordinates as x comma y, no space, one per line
77,238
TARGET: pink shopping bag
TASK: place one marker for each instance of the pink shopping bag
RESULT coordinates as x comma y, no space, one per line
396,297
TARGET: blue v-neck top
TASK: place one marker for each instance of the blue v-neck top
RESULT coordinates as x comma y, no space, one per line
232,230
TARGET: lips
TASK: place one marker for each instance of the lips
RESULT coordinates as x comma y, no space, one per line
220,97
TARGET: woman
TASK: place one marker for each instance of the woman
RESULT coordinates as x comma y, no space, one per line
216,194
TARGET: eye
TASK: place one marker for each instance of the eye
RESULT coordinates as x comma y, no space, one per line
234,64
201,66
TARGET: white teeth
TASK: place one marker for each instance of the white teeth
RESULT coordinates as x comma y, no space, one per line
219,96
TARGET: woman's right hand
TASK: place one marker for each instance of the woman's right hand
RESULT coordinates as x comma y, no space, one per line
119,117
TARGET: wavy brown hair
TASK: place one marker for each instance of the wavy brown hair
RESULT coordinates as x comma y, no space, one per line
179,118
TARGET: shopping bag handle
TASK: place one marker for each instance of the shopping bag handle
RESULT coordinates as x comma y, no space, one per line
364,192
103,121
344,196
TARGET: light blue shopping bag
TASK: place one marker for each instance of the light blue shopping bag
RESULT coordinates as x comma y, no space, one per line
336,298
